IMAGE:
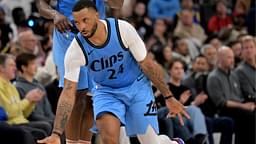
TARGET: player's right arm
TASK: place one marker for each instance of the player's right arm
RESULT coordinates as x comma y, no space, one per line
61,22
74,59
64,109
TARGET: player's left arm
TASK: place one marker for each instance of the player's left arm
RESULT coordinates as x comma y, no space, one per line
132,40
153,71
116,4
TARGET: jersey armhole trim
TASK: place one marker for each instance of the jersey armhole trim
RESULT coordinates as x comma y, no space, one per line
119,36
82,48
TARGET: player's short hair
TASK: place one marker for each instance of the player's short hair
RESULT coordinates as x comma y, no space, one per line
81,4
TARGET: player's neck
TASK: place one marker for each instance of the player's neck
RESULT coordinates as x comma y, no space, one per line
100,35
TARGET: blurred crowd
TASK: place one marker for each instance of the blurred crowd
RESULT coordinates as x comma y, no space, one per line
206,48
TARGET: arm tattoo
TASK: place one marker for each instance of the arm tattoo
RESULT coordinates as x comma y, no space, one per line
154,72
65,106
66,110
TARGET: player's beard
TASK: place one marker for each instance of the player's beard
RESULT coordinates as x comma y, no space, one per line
94,28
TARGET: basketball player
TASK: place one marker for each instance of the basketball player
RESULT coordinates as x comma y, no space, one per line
117,61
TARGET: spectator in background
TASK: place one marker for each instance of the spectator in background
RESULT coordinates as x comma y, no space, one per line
210,54
195,129
18,109
6,31
18,134
214,41
200,66
142,23
158,40
167,56
28,42
246,71
187,29
19,19
27,68
181,51
237,49
188,4
197,84
163,9
239,16
193,32
221,20
225,91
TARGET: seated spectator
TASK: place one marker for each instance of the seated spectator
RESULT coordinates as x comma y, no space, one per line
189,4
246,70
221,20
17,134
181,51
28,42
18,109
194,130
225,91
141,21
157,40
210,53
236,46
200,66
187,29
214,41
239,15
25,82
197,83
19,19
167,57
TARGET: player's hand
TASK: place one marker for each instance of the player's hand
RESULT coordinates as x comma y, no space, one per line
61,22
53,139
176,109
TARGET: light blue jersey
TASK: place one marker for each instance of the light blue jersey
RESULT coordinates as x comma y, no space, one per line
121,87
61,41
111,64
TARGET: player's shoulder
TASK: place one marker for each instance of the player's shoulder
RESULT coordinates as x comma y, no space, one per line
123,23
